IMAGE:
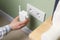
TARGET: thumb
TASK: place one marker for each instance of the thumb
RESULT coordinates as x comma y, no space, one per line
16,18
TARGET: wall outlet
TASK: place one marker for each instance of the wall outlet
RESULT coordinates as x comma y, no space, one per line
35,12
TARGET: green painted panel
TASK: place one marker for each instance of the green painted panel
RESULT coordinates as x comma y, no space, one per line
10,6
23,4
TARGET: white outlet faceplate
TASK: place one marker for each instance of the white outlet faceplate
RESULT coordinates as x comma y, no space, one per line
37,13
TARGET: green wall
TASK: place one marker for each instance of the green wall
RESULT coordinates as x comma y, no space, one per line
23,4
10,6
46,6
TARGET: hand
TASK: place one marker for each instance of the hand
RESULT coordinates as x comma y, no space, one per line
15,24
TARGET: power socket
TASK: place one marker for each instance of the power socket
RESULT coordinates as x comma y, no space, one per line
35,12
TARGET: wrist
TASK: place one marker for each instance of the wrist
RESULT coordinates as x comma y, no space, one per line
8,28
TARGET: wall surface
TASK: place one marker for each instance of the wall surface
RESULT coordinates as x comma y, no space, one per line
10,6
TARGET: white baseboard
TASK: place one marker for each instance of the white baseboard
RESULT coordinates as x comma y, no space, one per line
8,17
4,14
26,30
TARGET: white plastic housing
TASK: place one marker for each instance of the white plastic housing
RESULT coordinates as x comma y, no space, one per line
23,15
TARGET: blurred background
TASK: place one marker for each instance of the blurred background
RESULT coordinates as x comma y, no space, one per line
11,8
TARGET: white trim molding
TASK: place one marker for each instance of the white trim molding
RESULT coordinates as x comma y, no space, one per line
4,14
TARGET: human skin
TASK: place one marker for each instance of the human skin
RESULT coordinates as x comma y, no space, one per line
16,24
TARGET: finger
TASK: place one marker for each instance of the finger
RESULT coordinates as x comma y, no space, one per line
26,21
16,18
18,27
21,25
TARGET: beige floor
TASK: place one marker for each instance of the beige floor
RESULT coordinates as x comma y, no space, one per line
3,21
14,35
